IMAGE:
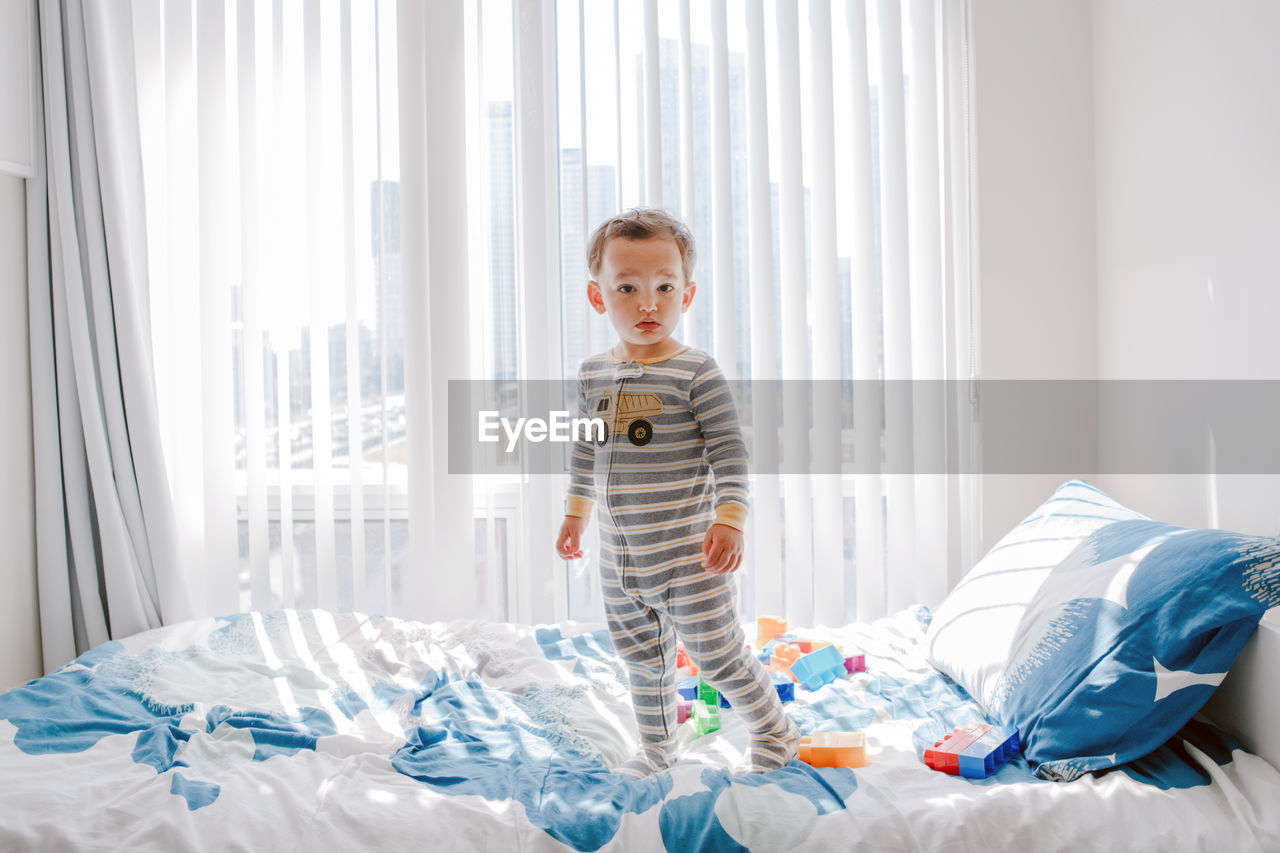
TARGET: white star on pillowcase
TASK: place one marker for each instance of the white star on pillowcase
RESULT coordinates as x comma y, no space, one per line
1170,681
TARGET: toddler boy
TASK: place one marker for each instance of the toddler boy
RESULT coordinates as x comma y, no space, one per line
670,532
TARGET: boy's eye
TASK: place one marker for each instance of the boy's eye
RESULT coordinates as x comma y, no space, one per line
625,288
666,288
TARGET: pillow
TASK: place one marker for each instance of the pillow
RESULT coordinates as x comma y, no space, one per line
1098,632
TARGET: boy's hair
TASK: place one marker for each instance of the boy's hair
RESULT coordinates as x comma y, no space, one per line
641,223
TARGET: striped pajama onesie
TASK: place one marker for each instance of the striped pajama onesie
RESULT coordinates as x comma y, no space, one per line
672,425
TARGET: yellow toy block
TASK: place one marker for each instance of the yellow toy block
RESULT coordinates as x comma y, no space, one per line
834,749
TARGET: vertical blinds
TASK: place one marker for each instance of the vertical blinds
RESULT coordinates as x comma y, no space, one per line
350,204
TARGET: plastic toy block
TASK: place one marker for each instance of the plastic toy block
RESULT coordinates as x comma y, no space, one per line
818,668
682,658
688,687
706,719
786,693
768,627
855,663
834,749
683,709
707,693
974,751
764,656
784,656
805,646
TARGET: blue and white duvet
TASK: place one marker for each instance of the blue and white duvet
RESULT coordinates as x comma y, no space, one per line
315,731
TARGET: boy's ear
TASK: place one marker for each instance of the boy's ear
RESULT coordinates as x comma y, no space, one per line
688,296
595,297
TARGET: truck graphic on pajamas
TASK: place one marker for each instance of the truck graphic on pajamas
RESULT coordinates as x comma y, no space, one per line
630,414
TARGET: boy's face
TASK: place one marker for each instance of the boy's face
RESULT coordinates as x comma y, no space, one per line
643,290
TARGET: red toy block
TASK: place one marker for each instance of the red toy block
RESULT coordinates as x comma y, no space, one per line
834,749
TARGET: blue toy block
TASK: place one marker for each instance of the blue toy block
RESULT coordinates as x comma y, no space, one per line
689,687
988,753
786,692
818,668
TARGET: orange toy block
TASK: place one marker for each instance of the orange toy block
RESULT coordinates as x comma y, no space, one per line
834,749
783,656
768,627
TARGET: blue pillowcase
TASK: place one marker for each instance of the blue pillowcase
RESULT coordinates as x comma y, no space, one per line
1098,632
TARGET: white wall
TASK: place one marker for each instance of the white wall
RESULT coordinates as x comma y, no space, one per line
1127,213
1032,113
20,655
1187,122
1128,196
1187,130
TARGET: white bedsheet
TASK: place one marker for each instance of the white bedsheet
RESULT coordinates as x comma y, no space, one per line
316,731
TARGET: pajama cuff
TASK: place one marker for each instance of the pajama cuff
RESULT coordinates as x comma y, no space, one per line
732,514
578,506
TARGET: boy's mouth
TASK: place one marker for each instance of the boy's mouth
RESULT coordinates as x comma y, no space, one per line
647,325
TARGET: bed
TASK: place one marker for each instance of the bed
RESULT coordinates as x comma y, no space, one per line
313,730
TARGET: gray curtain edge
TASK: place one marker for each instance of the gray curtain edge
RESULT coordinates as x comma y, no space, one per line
106,551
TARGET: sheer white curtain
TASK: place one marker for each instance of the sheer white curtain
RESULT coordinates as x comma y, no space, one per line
279,304
351,204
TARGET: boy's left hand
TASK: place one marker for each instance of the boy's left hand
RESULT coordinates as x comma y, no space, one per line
722,549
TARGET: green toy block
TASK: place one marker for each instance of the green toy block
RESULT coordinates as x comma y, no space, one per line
708,694
706,718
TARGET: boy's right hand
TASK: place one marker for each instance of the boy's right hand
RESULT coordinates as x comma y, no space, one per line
569,541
